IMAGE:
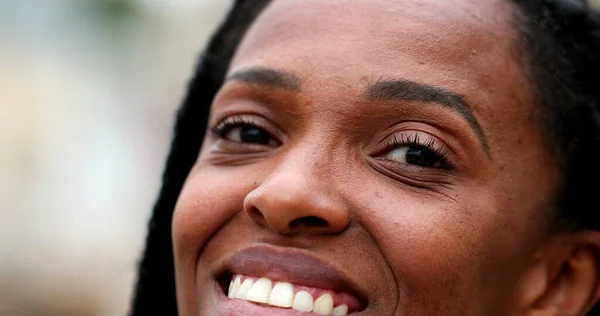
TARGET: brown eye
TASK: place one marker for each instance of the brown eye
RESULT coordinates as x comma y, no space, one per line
416,148
415,155
245,130
249,134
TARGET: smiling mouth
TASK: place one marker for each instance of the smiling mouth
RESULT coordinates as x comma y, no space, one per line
288,295
288,279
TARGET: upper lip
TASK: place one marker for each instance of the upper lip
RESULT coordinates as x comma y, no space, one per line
291,265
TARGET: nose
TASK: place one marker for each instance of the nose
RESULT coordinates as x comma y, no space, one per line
291,203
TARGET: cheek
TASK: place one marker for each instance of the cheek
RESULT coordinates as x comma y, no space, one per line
208,200
443,253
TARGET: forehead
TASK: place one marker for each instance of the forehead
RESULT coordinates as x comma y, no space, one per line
463,45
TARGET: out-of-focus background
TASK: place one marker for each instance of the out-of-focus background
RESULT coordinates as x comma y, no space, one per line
88,89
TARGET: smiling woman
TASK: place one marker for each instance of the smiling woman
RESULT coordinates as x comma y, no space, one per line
375,157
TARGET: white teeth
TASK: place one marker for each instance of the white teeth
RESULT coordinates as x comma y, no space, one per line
260,291
244,288
282,295
324,304
303,302
341,310
234,286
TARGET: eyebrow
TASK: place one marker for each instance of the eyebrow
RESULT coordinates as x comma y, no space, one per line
388,90
406,90
271,78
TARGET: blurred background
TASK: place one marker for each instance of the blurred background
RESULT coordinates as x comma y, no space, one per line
88,90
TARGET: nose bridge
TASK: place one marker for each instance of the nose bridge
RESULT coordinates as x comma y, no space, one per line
299,195
313,160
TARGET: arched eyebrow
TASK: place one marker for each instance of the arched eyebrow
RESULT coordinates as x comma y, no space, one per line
388,90
270,78
406,90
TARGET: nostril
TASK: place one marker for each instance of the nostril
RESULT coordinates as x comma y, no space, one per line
309,221
255,214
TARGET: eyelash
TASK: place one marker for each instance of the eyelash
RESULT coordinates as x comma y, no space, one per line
227,124
413,140
402,140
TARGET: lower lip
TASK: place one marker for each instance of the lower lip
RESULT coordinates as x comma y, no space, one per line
235,307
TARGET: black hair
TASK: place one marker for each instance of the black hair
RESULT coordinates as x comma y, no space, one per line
561,54
560,51
155,289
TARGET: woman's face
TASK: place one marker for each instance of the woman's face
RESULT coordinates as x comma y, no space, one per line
383,152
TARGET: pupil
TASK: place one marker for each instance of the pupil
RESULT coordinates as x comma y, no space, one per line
250,134
421,157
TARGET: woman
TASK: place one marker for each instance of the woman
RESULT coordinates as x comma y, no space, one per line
384,158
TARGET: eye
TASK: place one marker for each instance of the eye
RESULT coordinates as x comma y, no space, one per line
244,130
415,156
248,134
414,151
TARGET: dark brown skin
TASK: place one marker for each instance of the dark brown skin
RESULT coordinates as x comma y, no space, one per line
469,237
